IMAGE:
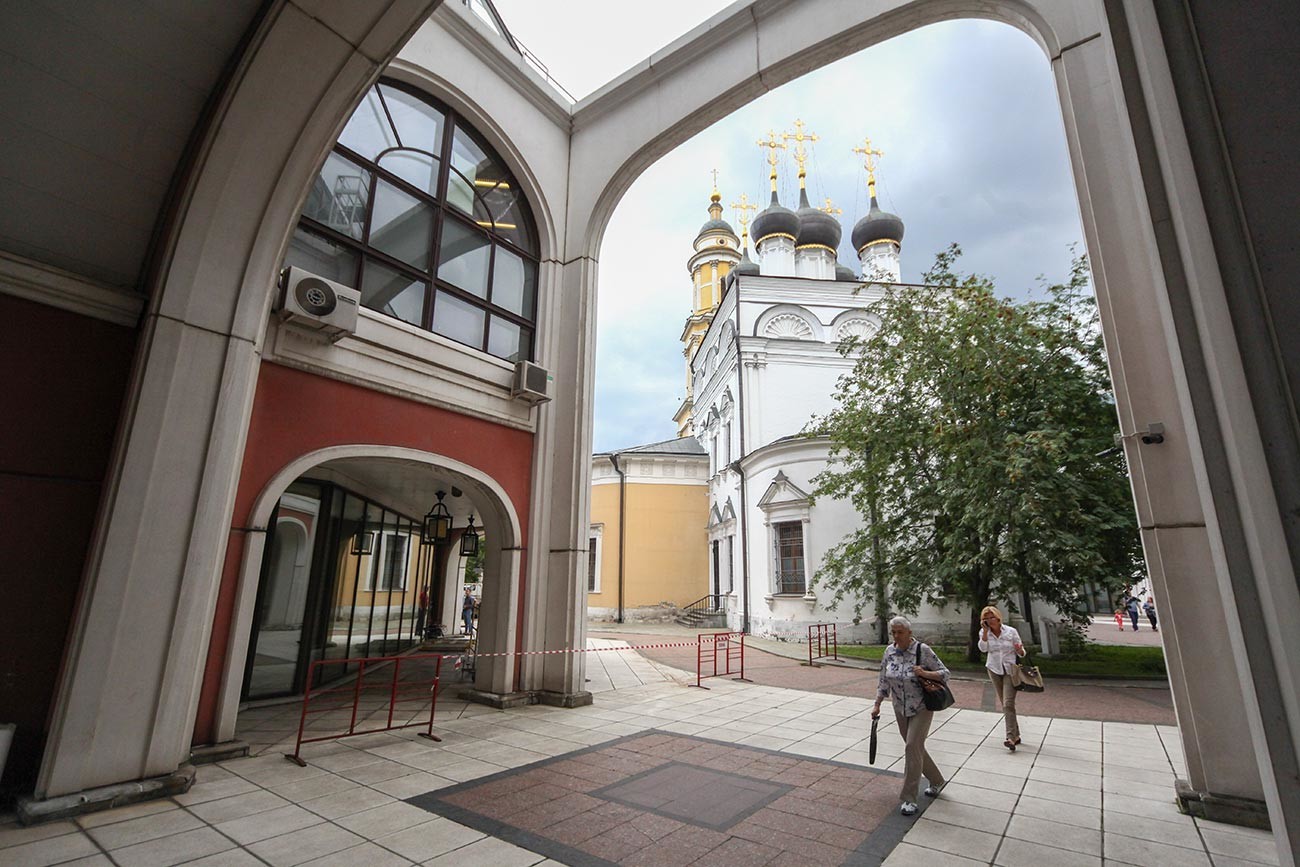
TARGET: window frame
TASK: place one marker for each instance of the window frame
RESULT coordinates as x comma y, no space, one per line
780,587
595,548
442,210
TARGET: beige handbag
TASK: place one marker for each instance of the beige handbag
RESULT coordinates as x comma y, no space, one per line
1026,677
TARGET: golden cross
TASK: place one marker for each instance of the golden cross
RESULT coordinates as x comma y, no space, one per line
870,154
772,144
829,209
800,152
742,208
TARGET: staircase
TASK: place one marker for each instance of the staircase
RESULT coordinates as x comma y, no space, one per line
707,612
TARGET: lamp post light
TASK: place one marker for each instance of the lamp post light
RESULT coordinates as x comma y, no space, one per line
363,542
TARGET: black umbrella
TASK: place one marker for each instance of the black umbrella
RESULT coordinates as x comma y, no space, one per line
871,750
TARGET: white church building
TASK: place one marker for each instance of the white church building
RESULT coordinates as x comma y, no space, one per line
763,363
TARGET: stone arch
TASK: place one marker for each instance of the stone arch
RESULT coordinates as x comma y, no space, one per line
503,535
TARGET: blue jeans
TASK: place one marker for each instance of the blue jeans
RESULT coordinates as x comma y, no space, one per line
467,614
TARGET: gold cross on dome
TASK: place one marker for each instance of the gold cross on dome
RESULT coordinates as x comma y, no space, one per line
869,163
800,153
742,208
831,209
714,172
772,144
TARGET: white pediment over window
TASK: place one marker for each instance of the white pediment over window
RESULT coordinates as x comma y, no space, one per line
782,492
728,511
715,517
788,326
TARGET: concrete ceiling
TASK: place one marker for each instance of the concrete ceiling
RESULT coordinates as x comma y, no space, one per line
99,100
406,486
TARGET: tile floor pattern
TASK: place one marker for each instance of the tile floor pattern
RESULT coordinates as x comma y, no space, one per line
1076,792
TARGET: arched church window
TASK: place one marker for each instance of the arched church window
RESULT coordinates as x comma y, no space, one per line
414,209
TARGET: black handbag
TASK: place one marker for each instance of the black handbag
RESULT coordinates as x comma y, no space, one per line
938,696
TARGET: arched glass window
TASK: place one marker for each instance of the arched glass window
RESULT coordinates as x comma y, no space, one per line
414,209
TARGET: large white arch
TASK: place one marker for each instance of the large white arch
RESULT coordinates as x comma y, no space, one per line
503,550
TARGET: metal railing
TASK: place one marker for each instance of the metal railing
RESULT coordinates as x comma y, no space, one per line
714,603
822,639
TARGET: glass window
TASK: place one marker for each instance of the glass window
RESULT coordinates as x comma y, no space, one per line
338,196
322,256
374,212
418,169
457,319
789,556
509,341
401,226
419,125
368,132
463,257
394,293
513,281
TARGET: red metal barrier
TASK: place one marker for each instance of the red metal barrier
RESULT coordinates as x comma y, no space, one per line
389,700
728,648
822,637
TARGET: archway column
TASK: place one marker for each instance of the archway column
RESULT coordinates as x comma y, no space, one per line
557,589
125,705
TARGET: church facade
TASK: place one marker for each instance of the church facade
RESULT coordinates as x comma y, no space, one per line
763,351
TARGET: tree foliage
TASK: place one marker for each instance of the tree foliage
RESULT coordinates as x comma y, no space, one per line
979,433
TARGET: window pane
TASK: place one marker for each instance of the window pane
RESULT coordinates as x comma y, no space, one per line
458,320
368,131
507,340
513,280
419,125
515,222
482,169
322,257
393,293
463,258
461,194
401,225
419,170
338,196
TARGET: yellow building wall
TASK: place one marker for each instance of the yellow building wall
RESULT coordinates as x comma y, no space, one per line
667,554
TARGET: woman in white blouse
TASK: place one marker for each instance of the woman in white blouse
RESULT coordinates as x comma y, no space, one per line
1002,644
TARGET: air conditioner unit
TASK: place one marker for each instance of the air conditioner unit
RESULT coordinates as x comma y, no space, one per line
532,382
317,304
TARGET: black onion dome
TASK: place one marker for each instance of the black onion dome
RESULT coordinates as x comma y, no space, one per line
844,272
715,226
775,220
817,227
877,225
746,266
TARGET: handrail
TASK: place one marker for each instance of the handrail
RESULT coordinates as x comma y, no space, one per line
707,605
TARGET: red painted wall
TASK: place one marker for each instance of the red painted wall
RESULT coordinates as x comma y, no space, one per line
295,413
64,379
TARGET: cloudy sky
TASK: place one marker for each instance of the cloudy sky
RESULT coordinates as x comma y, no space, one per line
965,111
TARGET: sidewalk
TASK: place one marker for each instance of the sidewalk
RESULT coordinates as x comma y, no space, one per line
543,785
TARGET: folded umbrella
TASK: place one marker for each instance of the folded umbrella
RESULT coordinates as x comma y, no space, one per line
871,750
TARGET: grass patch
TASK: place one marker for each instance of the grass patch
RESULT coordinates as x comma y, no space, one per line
1097,660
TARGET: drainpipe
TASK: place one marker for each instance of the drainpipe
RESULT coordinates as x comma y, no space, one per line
740,470
622,512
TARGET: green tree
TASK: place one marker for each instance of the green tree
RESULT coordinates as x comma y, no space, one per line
975,437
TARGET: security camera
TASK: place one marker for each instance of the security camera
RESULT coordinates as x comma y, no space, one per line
1154,434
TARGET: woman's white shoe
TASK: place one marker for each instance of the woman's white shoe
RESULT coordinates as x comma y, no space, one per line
932,791
908,808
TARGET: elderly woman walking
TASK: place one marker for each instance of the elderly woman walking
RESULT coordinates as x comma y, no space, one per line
907,666
1002,644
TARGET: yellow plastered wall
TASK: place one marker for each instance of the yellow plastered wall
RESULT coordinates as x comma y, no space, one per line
667,554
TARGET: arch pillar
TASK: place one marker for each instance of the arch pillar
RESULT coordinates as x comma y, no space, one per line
132,673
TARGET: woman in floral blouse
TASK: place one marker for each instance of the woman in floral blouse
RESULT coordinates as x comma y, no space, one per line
903,681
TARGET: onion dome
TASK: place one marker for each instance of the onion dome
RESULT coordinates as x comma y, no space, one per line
775,220
877,225
844,272
747,266
816,226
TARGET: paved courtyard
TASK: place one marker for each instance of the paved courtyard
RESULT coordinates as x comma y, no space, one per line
657,772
